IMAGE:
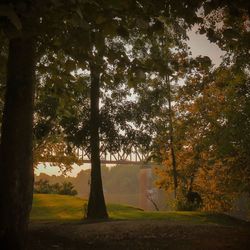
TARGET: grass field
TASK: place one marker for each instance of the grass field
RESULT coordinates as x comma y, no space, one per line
51,207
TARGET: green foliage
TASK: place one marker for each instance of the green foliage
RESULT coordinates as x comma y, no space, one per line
67,188
227,25
44,187
185,205
212,133
98,32
136,45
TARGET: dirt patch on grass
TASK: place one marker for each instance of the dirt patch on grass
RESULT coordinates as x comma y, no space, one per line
136,234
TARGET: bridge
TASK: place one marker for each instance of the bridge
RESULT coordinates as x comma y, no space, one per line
134,156
131,156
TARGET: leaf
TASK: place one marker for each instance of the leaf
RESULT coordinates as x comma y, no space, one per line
211,35
70,65
100,19
123,32
131,83
100,44
79,12
202,30
118,5
8,12
230,34
158,26
140,74
109,29
56,3
142,24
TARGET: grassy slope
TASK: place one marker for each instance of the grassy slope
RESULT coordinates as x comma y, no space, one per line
51,207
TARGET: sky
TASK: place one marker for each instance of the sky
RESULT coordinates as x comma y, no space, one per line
199,45
53,170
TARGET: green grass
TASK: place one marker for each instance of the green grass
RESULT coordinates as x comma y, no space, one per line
56,207
52,207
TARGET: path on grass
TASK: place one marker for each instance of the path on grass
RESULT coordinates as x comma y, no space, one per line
135,235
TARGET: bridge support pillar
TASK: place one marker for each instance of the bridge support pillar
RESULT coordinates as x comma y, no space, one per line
145,187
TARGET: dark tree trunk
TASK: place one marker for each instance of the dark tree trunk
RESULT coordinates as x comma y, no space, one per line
16,168
96,205
171,137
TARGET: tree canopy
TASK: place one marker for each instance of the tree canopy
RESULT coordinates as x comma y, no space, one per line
112,75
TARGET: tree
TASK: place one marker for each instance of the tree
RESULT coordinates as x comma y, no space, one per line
16,138
164,63
67,188
103,31
96,204
27,18
101,22
44,187
20,22
208,138
212,161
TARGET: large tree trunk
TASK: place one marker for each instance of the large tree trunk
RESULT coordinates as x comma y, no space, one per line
16,169
171,137
96,205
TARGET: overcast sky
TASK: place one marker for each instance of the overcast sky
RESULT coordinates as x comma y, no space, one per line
200,45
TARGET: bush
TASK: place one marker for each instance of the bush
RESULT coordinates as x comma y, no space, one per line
190,202
67,188
186,201
44,187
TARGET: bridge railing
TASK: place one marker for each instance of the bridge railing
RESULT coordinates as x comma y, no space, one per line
129,156
134,156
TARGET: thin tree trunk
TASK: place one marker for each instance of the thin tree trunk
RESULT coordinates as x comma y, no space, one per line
16,168
171,137
149,197
96,205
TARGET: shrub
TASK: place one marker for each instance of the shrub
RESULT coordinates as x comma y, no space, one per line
44,187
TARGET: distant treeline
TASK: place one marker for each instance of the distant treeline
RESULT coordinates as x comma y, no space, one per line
120,183
120,179
43,186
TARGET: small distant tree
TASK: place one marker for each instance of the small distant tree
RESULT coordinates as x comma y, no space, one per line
56,188
67,188
44,187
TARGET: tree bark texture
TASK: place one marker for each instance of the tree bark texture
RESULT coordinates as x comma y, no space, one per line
16,168
96,205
